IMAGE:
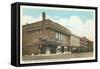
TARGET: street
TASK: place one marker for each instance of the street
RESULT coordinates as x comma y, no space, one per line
58,56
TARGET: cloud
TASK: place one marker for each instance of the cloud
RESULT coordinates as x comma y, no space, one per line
89,29
29,19
75,24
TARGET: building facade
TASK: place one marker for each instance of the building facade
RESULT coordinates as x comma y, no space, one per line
75,43
45,37
75,40
90,45
84,41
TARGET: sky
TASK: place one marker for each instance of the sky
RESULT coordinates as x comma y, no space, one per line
81,22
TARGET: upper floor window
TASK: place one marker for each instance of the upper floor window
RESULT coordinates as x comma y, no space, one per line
60,36
57,35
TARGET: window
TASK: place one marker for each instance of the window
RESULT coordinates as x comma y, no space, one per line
59,36
62,37
56,35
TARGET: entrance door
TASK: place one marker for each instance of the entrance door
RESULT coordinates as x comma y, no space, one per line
58,49
47,50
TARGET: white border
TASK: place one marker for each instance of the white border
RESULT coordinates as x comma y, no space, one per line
57,8
53,60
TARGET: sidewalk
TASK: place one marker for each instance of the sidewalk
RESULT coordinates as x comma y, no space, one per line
65,53
58,56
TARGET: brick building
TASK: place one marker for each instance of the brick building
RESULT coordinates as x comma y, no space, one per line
90,45
84,41
44,37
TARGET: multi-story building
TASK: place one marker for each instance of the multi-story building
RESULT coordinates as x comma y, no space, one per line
90,45
75,43
86,45
84,41
75,40
44,37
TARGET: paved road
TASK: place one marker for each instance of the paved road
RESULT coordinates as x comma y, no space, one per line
58,56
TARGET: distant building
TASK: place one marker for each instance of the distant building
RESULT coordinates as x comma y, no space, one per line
86,45
84,41
80,44
90,45
75,43
44,37
75,40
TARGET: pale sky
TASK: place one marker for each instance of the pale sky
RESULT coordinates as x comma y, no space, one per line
80,22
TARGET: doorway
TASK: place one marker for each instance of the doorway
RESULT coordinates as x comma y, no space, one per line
47,50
